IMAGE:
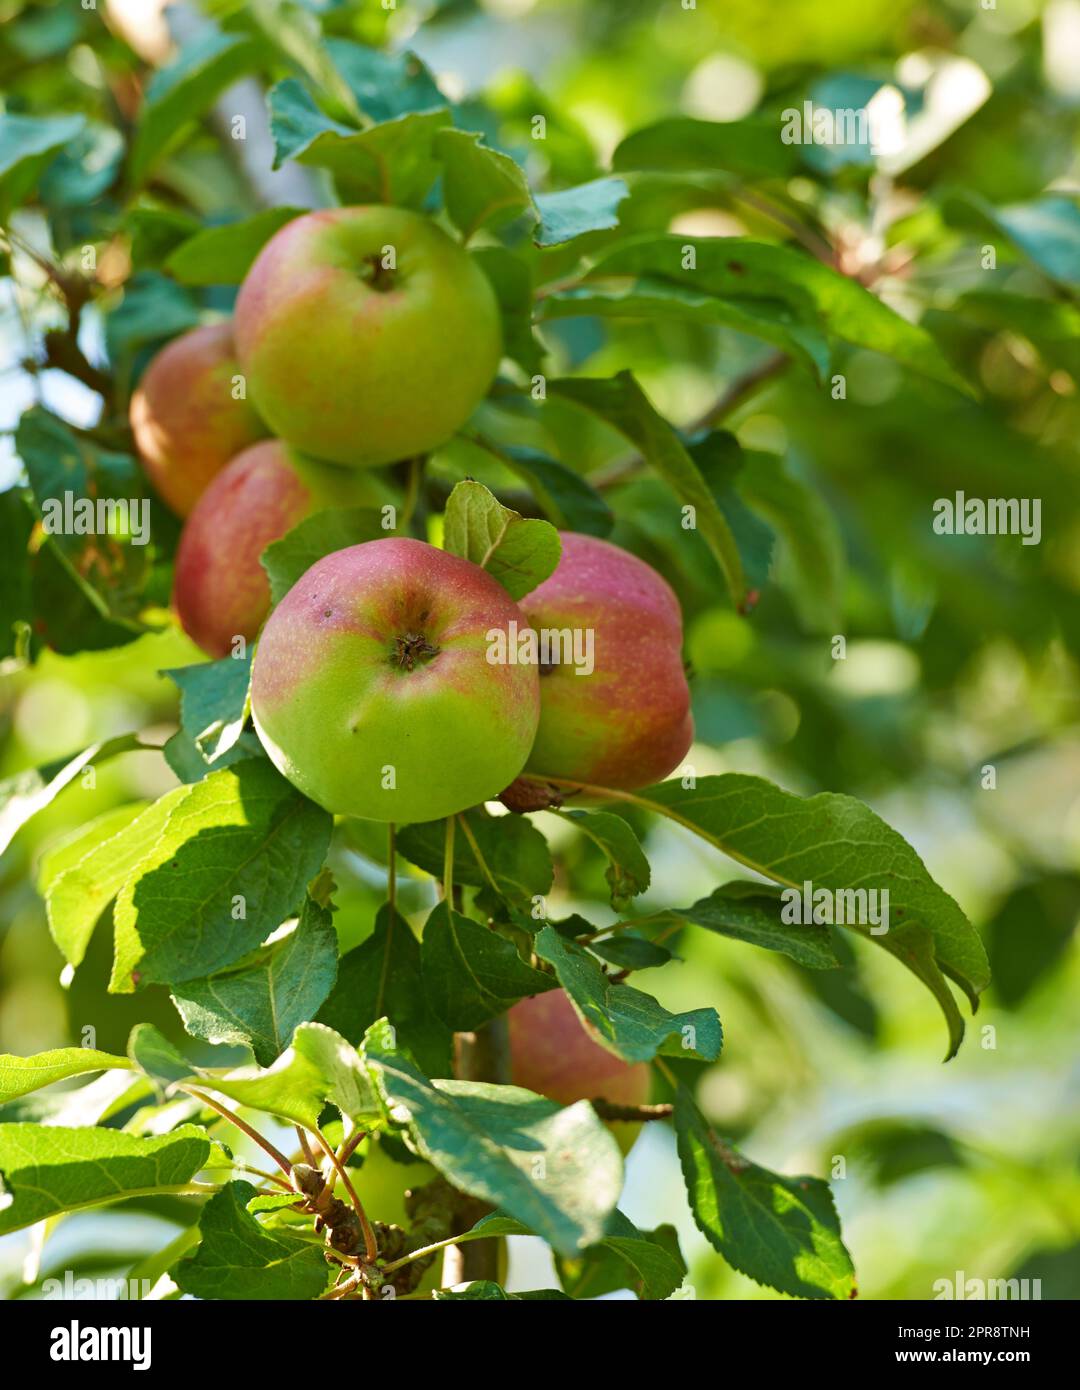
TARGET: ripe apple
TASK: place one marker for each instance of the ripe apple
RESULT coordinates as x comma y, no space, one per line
220,589
553,1054
628,722
186,420
372,691
367,334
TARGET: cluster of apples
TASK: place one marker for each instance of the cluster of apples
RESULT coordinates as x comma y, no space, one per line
364,336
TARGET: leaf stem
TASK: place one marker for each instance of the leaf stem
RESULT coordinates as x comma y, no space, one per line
371,1246
467,831
242,1125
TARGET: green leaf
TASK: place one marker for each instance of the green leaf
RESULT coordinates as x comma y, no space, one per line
1045,230
80,879
16,599
21,1075
481,186
556,1170
628,951
238,1258
26,793
816,295
751,147
621,402
649,297
152,1052
381,978
230,866
514,859
153,308
260,1004
626,1021
320,1066
751,912
628,872
384,84
812,544
487,1291
783,1232
27,145
471,973
392,162
626,1258
214,703
519,553
183,91
511,278
224,255
285,560
45,1169
570,501
835,842
571,212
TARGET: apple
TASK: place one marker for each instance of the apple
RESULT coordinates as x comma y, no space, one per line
553,1053
220,589
372,690
626,724
186,418
366,334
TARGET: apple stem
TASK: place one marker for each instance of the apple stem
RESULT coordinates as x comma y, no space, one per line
391,869
448,863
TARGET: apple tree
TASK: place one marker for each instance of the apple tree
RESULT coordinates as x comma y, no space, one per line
350,373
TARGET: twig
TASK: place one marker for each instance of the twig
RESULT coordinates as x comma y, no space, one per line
371,1246
607,1110
253,1134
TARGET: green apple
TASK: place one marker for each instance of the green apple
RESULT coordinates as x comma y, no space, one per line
553,1053
366,334
373,691
186,415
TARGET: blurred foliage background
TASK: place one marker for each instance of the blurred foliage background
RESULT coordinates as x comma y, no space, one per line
961,651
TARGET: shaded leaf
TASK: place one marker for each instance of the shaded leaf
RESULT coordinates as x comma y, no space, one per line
481,186
238,1258
224,255
628,872
556,1170
471,973
836,842
285,560
519,553
571,212
260,1004
381,978
230,866
783,1232
621,402
49,1169
628,1022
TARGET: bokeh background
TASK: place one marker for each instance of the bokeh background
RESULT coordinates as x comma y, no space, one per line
961,651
